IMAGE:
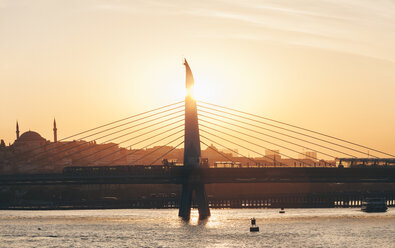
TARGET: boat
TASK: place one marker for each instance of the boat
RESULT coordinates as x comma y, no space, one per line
374,205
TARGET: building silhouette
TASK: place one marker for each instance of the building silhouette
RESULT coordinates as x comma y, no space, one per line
32,153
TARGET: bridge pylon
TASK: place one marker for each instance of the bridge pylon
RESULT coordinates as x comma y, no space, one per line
192,156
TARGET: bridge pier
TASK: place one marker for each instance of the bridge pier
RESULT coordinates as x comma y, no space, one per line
192,156
186,201
201,200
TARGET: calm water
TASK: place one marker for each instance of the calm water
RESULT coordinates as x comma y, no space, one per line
226,228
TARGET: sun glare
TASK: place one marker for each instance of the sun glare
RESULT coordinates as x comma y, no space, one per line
200,92
190,92
206,89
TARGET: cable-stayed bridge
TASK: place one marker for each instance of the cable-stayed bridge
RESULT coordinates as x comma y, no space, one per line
250,152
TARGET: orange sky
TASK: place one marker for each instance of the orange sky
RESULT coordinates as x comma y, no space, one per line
324,65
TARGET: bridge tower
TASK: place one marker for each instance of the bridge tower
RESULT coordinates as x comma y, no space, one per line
192,156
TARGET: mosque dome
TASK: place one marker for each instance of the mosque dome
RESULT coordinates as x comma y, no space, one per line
30,136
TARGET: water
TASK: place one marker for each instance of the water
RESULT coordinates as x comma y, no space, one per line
225,228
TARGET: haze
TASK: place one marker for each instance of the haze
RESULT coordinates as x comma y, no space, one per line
324,65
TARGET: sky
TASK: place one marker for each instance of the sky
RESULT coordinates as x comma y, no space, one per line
324,64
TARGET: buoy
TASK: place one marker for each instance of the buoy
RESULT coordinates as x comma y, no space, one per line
282,211
254,227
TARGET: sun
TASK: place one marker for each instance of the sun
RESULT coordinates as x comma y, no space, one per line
206,85
205,88
199,92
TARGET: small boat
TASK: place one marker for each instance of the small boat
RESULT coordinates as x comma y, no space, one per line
254,227
374,205
282,211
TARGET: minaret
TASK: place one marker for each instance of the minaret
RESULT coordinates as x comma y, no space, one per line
17,130
55,131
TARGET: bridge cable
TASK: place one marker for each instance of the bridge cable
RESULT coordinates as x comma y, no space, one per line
85,143
265,135
139,124
220,153
149,111
91,147
300,161
227,149
113,145
92,129
236,145
164,154
116,144
286,129
141,141
250,143
136,150
257,139
157,149
267,129
301,128
254,161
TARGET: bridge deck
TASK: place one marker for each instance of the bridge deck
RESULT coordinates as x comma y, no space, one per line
213,175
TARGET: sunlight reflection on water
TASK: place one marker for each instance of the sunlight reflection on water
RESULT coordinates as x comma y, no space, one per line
225,228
